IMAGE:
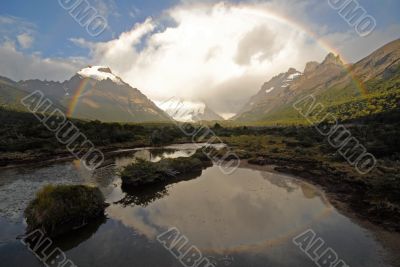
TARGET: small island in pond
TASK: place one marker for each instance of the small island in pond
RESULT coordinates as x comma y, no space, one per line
144,172
59,209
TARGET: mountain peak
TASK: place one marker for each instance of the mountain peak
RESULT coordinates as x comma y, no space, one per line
100,73
331,58
188,111
310,67
292,71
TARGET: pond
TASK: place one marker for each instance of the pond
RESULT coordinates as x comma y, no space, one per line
247,218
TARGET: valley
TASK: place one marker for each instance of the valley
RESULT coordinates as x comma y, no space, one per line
187,134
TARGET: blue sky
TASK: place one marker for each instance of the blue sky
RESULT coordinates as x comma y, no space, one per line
53,26
211,50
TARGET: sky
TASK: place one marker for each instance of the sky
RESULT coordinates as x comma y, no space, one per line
219,52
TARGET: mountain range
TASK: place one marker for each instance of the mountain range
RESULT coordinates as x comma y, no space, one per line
94,93
369,86
354,90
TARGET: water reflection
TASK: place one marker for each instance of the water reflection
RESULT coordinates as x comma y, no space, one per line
143,195
68,242
146,194
246,208
18,185
244,219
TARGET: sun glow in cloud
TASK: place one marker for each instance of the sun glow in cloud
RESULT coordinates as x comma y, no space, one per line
218,53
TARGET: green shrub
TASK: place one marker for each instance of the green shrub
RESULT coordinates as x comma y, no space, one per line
59,209
145,172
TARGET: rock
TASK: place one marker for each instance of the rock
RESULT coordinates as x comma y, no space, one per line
332,59
310,67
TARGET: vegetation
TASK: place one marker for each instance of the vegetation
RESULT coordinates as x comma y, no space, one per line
59,209
303,152
24,138
144,172
346,101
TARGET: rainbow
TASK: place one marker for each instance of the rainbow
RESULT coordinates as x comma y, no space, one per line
76,96
324,44
256,11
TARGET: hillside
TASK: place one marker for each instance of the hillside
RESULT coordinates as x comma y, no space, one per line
94,93
367,87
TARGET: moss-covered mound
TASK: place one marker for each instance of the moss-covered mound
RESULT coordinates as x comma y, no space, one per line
145,172
62,208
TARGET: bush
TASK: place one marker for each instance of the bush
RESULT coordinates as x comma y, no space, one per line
59,209
144,172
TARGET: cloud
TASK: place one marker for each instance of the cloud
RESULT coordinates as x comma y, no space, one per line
16,34
353,47
17,65
25,40
134,12
206,48
260,43
121,53
17,29
215,52
106,8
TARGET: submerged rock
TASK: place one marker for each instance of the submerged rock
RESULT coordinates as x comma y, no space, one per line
57,210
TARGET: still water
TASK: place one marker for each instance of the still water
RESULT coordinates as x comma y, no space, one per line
248,218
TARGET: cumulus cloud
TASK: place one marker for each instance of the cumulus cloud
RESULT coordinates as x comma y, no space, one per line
219,53
18,34
17,65
214,52
259,42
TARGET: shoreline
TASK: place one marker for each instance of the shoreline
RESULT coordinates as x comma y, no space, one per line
341,196
388,238
26,159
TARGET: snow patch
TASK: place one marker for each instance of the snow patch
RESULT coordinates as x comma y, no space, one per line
293,76
100,73
269,90
184,111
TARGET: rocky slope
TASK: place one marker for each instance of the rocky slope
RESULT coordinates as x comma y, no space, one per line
331,81
95,93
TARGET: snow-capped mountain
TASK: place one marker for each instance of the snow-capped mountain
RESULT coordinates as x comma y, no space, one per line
331,81
100,73
277,88
282,88
96,93
188,111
